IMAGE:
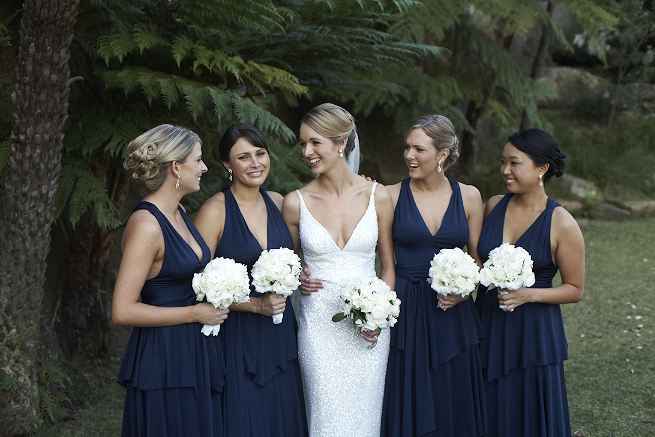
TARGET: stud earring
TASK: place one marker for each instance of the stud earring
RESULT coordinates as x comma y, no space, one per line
177,183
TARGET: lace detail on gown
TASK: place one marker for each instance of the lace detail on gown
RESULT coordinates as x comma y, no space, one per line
343,379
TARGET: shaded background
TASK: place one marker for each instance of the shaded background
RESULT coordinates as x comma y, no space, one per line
582,69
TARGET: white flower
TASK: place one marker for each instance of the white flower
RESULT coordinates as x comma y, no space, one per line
276,271
453,271
222,283
370,304
509,267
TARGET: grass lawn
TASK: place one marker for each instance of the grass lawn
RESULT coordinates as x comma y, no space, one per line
611,367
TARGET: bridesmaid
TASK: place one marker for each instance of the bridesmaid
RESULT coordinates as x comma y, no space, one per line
524,347
263,395
434,383
173,374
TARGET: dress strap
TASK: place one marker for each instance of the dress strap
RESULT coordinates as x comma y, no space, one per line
370,200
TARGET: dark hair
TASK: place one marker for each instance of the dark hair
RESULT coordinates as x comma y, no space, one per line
542,148
234,134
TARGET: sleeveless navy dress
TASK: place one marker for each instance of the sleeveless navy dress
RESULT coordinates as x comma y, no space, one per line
174,375
263,394
434,383
523,351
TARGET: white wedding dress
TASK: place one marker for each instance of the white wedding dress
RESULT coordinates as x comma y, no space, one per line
343,378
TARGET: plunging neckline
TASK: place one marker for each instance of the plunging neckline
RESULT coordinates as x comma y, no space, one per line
418,211
245,222
352,234
528,229
200,257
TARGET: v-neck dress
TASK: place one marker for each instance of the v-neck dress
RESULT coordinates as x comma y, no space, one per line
434,383
263,394
174,375
523,351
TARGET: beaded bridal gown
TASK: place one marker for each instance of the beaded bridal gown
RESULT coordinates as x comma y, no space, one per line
343,378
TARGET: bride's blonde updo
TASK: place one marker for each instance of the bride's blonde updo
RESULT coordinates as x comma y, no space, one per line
149,154
333,122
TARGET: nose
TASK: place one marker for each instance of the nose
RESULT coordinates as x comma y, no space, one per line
504,169
203,167
307,150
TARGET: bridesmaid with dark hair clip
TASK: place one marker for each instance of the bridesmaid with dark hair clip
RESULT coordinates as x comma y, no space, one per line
263,389
523,342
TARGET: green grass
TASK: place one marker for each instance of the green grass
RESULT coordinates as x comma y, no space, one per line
611,367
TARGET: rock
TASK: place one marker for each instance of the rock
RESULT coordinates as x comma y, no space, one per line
637,96
571,87
640,207
578,188
607,211
575,207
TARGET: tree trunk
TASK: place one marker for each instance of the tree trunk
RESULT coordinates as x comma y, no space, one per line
537,62
28,187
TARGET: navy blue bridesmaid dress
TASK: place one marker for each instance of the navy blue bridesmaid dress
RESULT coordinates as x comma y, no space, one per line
434,383
263,393
523,351
174,375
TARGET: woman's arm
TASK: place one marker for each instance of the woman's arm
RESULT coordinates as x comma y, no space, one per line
474,209
143,251
384,208
210,220
569,254
474,215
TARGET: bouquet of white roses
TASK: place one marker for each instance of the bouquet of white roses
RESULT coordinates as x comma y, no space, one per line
277,271
370,304
509,267
453,271
222,283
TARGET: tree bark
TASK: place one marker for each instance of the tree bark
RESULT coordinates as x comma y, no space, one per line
28,187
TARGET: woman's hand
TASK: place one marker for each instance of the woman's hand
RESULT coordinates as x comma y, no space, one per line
308,285
449,301
510,300
270,304
208,315
370,336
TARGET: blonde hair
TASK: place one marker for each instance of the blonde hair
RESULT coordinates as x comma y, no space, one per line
442,132
333,122
149,154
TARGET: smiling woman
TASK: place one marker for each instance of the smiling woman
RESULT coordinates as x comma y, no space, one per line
338,220
172,374
263,395
522,337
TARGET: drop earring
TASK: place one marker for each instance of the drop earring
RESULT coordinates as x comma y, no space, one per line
229,174
439,169
541,182
340,153
177,183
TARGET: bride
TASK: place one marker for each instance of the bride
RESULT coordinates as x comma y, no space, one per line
338,220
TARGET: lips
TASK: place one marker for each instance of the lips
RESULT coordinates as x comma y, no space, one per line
255,174
313,162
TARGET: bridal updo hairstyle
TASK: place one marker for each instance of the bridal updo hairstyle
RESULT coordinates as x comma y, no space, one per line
150,154
442,132
542,148
333,122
